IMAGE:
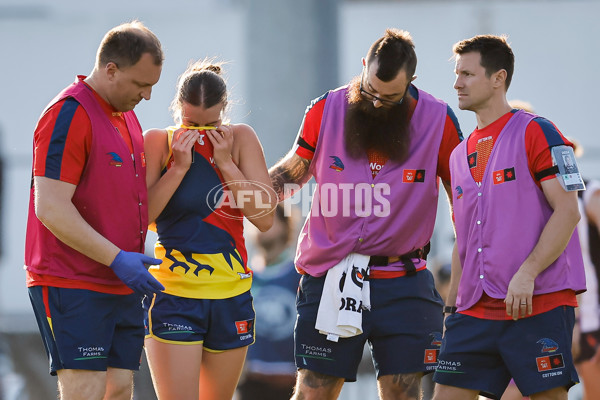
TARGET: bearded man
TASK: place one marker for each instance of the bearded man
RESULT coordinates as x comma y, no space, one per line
376,148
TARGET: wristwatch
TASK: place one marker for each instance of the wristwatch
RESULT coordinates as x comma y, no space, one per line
449,309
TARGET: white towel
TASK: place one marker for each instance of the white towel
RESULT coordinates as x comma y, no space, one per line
345,295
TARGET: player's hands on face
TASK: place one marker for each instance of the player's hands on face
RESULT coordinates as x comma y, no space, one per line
182,146
222,141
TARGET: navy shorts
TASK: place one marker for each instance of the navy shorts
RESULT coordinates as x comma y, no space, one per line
403,329
88,330
484,354
218,324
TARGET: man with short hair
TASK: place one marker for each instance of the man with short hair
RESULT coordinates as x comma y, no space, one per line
519,263
376,148
88,219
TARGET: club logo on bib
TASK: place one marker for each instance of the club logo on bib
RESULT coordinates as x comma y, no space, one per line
459,192
337,164
115,159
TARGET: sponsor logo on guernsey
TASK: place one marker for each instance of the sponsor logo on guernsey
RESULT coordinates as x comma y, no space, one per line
143,157
504,175
375,167
115,159
413,175
336,164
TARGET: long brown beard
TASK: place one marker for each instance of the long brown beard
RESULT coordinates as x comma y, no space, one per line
384,130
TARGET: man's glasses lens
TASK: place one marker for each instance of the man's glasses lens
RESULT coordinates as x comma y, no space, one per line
371,97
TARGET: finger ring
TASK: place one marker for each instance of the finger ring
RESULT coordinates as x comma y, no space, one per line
524,304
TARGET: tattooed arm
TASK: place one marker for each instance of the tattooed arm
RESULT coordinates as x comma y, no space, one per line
289,175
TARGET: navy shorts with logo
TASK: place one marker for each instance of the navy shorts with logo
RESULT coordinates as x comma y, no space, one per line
484,354
88,330
403,329
218,324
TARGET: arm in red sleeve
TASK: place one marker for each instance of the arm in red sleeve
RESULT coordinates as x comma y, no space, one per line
451,138
538,150
308,135
63,139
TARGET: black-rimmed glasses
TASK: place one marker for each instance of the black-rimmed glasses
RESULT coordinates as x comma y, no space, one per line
372,97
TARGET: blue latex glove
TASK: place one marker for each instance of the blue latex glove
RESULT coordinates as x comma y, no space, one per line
130,268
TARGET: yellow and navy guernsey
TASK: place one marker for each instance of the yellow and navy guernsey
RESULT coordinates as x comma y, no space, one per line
201,234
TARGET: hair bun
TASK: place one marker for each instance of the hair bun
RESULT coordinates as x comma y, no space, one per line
214,68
